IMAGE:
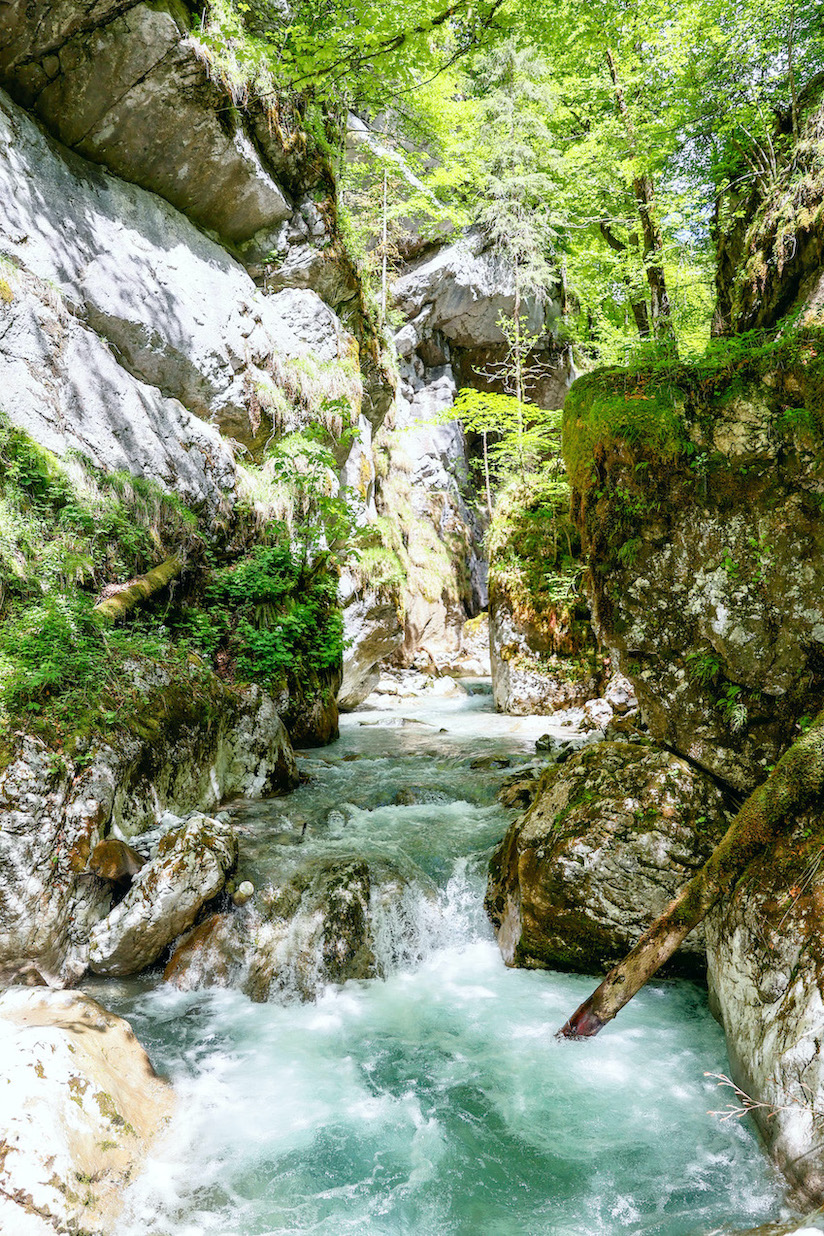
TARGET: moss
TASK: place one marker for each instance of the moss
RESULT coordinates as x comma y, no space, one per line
643,408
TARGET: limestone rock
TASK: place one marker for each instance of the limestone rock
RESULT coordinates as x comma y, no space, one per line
715,614
461,291
312,929
372,632
612,836
179,315
766,973
523,681
89,74
327,920
52,814
115,860
191,866
81,1107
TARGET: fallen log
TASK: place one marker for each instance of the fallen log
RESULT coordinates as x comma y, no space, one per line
138,590
794,785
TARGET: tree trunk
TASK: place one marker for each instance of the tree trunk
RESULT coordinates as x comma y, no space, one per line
637,302
795,784
138,590
653,246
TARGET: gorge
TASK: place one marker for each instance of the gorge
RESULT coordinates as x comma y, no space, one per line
457,644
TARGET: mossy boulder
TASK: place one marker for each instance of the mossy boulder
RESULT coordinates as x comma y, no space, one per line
698,495
319,924
612,836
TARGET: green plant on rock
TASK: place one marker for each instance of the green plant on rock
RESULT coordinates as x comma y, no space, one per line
732,707
274,617
703,667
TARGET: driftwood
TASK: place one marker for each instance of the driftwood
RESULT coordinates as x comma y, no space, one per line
138,590
795,784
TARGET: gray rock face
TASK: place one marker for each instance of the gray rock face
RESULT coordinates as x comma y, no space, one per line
373,633
165,896
178,313
81,1108
52,815
63,385
89,70
461,291
612,836
521,683
766,975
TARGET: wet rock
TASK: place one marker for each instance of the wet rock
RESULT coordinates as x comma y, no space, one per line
81,1107
324,923
243,894
611,837
373,632
115,860
491,761
191,866
547,742
518,791
766,973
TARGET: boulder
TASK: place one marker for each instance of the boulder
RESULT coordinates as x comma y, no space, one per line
88,79
323,922
81,1108
115,860
191,867
528,678
706,554
461,291
612,836
183,752
372,632
766,973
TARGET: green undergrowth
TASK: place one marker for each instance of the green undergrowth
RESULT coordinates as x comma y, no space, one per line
66,530
271,618
256,601
534,556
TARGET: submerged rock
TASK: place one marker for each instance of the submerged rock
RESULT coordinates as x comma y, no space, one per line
191,866
612,836
765,956
331,920
81,1105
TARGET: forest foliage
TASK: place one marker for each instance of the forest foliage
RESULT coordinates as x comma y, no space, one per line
601,147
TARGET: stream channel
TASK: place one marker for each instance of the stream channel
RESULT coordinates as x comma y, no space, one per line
435,1099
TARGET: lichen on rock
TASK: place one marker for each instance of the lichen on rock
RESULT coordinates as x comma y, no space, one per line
610,838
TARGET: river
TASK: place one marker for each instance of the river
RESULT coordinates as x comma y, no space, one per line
433,1100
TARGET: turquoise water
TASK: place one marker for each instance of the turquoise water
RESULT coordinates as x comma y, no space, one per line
436,1100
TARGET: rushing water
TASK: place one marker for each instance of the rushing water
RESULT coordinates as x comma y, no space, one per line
434,1100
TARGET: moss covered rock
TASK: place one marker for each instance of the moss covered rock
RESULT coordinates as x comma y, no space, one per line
611,837
698,493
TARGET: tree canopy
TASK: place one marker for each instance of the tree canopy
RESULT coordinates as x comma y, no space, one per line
599,146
